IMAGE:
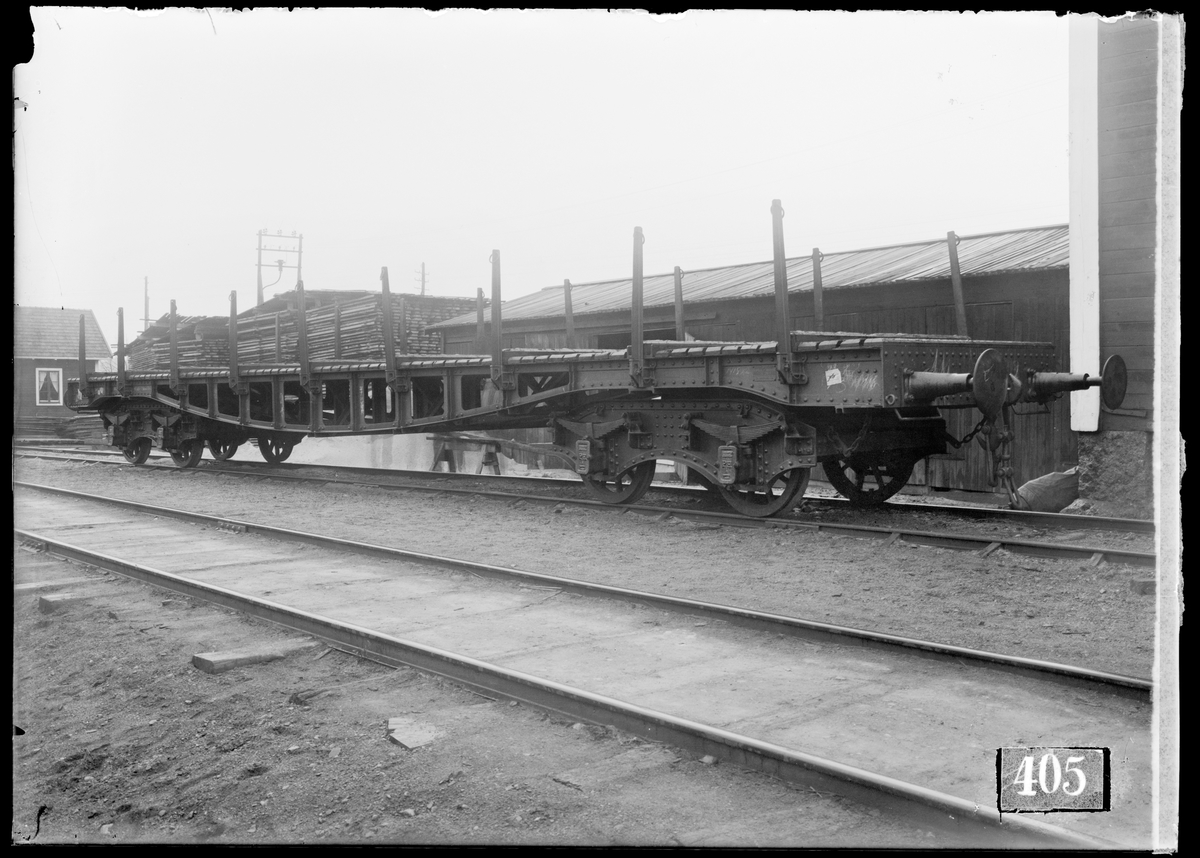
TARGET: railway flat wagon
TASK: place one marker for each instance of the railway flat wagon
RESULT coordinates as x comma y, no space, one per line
749,420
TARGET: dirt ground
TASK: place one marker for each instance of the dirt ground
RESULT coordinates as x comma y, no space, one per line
125,740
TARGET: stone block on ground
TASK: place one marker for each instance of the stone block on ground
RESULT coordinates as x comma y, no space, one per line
1079,506
410,733
219,662
57,601
1142,586
618,768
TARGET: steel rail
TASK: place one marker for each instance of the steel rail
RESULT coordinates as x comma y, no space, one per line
1026,517
985,543
812,630
913,803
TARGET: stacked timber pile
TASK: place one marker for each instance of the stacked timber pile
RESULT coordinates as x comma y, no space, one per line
257,335
203,341
359,326
421,311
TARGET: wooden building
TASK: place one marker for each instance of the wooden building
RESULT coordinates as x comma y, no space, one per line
1125,90
1015,287
45,355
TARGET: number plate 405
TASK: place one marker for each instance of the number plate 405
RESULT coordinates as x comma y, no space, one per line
1040,780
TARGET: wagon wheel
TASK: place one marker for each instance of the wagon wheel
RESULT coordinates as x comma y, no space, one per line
222,450
189,453
137,451
275,450
869,479
764,504
628,487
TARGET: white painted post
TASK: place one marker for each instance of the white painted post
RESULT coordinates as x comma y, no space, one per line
1084,291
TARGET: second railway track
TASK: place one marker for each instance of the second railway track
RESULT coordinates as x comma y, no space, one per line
1008,530
794,702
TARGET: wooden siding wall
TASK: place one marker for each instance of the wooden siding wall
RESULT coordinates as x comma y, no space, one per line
1026,306
1128,116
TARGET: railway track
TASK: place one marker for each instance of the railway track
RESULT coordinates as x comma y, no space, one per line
899,503
890,531
701,676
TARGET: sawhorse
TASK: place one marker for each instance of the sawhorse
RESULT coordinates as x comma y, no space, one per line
447,448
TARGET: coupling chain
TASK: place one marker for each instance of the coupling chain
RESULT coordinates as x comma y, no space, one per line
956,444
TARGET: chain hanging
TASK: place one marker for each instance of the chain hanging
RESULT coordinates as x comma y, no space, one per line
956,444
837,441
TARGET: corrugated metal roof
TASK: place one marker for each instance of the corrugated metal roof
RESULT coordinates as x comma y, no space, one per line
1035,249
53,332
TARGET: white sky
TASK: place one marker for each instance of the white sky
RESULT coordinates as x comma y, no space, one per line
158,144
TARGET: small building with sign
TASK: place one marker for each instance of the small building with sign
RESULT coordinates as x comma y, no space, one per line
45,355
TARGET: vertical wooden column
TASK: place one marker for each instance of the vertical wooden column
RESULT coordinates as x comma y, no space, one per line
960,307
337,331
636,320
233,340
497,333
818,291
174,349
278,340
783,318
389,330
83,380
569,315
679,332
120,351
302,338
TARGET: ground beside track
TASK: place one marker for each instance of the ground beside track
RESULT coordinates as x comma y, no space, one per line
204,768
126,742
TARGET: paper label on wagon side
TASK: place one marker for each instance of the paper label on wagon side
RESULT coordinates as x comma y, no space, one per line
833,376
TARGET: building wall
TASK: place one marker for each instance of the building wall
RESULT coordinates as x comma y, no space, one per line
1116,460
26,405
1128,127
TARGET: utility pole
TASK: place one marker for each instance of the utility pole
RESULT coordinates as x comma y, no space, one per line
422,278
146,320
281,247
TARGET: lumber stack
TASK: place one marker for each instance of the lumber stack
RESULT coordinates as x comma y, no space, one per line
359,326
202,341
355,326
256,337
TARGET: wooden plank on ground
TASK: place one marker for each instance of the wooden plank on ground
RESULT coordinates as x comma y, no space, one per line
219,662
